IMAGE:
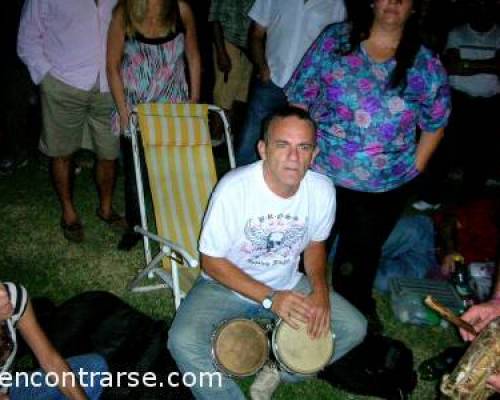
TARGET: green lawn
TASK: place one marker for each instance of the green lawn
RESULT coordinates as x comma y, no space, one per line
34,253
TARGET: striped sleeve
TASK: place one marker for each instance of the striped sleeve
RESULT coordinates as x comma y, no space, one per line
19,300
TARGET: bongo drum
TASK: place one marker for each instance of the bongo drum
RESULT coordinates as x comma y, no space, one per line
240,347
297,353
481,360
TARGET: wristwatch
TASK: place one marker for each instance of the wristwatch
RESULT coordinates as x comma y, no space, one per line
267,303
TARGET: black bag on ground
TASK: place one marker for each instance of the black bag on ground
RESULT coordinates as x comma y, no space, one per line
130,341
380,366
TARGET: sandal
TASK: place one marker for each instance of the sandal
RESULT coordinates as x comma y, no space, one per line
115,221
72,232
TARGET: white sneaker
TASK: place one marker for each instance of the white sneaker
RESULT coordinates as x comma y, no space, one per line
422,205
265,383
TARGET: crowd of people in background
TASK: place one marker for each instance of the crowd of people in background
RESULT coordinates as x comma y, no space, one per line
403,95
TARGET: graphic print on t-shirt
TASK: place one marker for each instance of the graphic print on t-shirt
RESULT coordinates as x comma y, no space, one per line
273,239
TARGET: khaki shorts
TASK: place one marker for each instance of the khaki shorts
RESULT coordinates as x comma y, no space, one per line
68,112
236,87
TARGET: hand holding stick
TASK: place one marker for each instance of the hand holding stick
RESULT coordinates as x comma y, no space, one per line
448,315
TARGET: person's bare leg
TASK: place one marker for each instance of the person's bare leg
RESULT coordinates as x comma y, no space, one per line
105,178
62,176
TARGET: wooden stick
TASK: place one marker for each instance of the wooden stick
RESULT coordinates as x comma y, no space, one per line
448,315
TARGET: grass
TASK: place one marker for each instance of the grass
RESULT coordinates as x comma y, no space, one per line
34,253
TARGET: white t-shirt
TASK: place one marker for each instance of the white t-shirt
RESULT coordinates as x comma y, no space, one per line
262,233
475,46
291,27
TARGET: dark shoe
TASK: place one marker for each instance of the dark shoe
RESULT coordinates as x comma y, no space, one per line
128,241
115,221
72,232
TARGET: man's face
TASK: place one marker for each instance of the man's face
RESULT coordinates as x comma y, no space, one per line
288,154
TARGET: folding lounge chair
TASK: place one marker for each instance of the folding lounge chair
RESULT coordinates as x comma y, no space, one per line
181,170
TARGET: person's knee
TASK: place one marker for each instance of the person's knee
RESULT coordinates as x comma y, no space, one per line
355,330
181,340
414,227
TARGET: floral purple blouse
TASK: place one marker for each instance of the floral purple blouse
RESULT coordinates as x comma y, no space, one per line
366,130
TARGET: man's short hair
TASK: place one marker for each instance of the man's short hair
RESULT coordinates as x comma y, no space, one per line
285,112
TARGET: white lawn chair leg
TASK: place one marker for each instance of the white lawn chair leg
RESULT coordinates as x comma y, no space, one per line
175,287
149,269
140,186
151,265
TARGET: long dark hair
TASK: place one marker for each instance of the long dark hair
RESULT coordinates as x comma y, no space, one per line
362,20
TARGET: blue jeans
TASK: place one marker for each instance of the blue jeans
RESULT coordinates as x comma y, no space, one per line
409,251
209,303
264,100
88,362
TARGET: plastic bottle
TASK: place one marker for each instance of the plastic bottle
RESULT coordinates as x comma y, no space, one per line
410,308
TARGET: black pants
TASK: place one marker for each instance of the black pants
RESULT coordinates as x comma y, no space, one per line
363,223
471,142
132,211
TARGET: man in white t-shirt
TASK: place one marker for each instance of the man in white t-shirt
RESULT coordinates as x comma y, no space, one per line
260,219
281,32
472,59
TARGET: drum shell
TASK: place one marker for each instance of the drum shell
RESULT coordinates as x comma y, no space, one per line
275,345
482,359
219,364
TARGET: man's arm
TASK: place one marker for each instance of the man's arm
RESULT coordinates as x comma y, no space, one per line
257,45
30,40
315,267
222,58
225,272
287,305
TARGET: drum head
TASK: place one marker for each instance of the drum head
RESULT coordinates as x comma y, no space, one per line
240,347
297,352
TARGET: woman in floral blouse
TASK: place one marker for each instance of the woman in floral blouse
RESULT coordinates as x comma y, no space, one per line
369,84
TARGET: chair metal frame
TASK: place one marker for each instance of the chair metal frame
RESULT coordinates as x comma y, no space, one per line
176,252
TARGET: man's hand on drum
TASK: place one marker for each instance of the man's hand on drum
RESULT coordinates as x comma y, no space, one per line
319,315
291,307
479,316
295,307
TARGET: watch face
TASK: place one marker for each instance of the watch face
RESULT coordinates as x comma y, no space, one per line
267,303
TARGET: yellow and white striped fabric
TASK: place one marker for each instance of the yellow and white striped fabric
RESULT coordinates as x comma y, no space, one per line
181,170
